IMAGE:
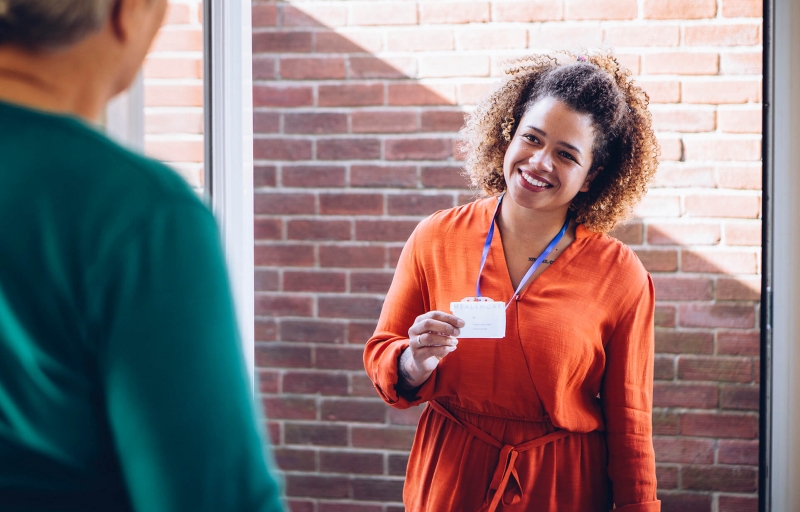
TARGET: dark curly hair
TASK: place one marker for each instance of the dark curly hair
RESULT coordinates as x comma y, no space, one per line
594,84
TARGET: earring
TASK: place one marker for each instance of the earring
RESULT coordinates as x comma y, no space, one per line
507,126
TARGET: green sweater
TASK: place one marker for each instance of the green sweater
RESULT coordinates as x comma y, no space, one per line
122,384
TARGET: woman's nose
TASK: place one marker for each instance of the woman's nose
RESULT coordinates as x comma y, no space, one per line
541,160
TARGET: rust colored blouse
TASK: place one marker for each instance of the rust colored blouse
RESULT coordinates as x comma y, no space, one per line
556,415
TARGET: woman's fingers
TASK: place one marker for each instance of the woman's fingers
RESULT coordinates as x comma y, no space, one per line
434,339
438,322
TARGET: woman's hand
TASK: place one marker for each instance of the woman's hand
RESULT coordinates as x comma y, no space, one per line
431,338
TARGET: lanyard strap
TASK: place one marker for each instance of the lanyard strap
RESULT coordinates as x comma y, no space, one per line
488,243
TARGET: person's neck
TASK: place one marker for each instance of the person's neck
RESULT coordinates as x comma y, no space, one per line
59,82
529,225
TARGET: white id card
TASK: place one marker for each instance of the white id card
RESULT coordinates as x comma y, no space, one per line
483,318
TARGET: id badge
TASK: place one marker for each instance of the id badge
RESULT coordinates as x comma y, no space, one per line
483,317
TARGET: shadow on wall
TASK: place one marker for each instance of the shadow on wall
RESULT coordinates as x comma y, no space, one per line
355,131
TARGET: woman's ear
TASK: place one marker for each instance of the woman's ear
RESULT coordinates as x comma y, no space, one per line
590,178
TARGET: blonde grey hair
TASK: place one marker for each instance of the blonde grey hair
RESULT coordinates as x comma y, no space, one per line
50,24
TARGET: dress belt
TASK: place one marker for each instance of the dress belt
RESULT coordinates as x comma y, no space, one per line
505,470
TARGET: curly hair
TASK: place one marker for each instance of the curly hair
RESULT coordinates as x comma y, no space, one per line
594,84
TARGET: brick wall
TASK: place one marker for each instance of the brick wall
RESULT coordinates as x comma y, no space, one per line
357,109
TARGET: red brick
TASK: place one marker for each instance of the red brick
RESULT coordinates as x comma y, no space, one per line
730,316
291,255
340,358
453,66
418,204
265,15
370,282
382,13
318,229
390,121
312,176
281,42
683,119
306,281
175,150
453,12
743,398
275,355
741,63
283,305
742,8
313,14
315,123
312,330
665,424
264,176
685,395
268,381
722,35
661,91
738,343
352,256
419,149
442,120
491,39
316,486
721,91
367,411
667,477
398,465
178,38
314,382
738,452
408,416
266,122
348,306
282,203
349,507
472,93
304,68
351,204
420,40
266,329
600,9
743,234
680,63
281,149
714,478
630,233
268,229
719,425
348,149
384,230
443,177
290,408
729,206
549,36
290,459
664,367
265,68
172,67
679,9
642,35
350,462
409,94
391,438
671,147
738,503
684,450
685,502
658,261
377,490
360,332
742,177
343,41
715,369
683,234
684,342
178,14
534,10
739,288
282,96
385,67
739,119
383,176
684,175
267,280
173,95
730,262
350,95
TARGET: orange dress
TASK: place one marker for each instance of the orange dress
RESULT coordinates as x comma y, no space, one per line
556,416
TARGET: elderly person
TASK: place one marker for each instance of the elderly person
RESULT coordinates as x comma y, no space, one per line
539,390
122,385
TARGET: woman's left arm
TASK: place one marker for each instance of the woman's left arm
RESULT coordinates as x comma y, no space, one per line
627,399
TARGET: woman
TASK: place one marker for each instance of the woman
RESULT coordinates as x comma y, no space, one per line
555,413
122,386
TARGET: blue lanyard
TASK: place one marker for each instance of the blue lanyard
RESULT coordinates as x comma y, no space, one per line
534,265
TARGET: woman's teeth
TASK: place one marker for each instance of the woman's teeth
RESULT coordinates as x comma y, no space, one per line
534,181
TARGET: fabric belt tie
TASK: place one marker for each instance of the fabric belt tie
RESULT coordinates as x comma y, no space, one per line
505,484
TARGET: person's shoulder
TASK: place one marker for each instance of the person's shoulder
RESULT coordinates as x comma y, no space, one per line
466,217
611,254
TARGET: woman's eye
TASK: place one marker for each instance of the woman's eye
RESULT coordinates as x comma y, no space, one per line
567,155
530,137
